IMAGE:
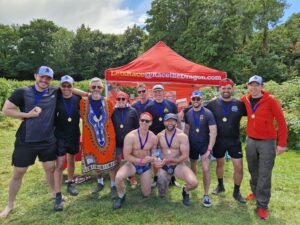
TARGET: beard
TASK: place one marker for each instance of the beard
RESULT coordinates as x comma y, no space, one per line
170,127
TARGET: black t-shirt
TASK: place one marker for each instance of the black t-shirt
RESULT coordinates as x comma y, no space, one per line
40,128
128,118
236,109
159,110
205,119
63,128
139,107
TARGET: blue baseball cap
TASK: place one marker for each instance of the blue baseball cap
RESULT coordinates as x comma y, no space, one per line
67,79
197,94
170,116
45,71
256,78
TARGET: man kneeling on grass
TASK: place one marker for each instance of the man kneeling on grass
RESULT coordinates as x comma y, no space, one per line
175,151
137,151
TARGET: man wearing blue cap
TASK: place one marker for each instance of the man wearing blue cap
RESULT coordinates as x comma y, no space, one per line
175,149
67,133
35,106
201,129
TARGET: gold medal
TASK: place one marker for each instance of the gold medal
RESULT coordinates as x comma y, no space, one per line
169,151
69,119
197,130
224,119
121,126
160,119
253,116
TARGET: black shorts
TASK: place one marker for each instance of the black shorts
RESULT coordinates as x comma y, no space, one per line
233,146
70,146
25,154
196,150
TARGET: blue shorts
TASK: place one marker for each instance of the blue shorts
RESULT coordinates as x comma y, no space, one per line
142,169
169,169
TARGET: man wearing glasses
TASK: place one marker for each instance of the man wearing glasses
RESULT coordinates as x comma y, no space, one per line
228,112
175,149
202,131
67,133
137,152
98,135
143,96
125,119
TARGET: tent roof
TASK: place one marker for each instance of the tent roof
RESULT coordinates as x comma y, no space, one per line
162,64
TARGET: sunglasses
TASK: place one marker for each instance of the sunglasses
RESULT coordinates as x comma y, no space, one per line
66,86
121,99
144,120
196,99
98,87
142,91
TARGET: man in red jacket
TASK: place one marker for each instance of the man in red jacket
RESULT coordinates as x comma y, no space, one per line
262,109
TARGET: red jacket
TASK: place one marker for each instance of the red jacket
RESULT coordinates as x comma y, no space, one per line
263,126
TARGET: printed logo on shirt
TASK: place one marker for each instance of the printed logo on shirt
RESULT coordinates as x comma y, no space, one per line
234,108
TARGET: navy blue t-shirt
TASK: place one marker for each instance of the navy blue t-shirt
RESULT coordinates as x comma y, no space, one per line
206,119
139,107
159,110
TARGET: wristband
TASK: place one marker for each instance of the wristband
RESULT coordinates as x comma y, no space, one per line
141,161
170,161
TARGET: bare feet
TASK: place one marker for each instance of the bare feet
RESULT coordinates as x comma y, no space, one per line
6,211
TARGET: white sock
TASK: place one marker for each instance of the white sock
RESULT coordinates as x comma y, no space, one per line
100,181
112,183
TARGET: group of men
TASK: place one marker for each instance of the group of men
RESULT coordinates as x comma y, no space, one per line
146,135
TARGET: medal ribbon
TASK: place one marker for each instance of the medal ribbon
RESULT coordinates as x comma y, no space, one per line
141,143
225,108
167,141
123,115
160,107
197,119
38,95
68,110
253,108
96,106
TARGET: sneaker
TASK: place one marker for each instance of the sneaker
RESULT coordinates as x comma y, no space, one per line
58,204
262,213
237,196
250,197
113,192
218,190
173,182
71,189
98,188
185,197
118,202
206,201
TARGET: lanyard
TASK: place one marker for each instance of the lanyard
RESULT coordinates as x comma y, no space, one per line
68,110
167,141
141,143
38,95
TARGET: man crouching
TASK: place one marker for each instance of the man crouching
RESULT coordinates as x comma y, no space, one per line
175,150
137,152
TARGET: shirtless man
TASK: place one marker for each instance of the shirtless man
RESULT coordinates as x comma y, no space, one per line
175,150
137,151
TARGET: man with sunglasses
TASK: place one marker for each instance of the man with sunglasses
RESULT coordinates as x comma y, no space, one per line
143,96
125,119
158,109
228,112
98,135
261,147
175,149
35,106
202,131
67,133
137,152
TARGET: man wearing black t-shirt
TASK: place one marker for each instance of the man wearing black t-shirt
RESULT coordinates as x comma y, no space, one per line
228,112
158,109
202,131
67,132
35,106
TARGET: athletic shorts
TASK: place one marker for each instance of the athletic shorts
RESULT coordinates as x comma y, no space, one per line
25,154
233,147
196,150
70,146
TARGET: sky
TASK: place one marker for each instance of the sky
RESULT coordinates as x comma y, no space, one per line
108,16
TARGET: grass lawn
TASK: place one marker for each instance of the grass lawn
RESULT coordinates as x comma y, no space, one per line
35,206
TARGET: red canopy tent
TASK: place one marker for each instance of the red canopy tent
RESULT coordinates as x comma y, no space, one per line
161,64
